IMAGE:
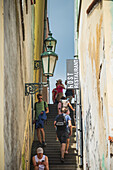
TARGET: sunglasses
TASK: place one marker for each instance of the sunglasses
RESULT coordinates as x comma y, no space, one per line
39,98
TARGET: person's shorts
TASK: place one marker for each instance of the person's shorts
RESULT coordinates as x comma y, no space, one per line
39,125
68,132
62,136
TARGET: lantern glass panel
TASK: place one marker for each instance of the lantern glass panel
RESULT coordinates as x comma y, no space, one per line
52,64
45,64
53,44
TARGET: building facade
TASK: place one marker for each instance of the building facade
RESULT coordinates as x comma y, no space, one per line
21,36
95,46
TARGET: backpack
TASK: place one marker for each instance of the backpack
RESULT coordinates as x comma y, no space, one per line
61,122
45,106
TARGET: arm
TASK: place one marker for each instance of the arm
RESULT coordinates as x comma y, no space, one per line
47,111
45,163
46,106
34,162
62,86
55,124
70,126
59,107
71,107
73,93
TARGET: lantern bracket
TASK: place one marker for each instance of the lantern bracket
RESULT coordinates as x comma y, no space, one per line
37,64
32,88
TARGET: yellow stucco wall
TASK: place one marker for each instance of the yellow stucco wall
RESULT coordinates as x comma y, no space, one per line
39,8
1,87
28,139
39,33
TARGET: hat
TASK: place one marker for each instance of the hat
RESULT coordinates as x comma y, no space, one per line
59,80
39,150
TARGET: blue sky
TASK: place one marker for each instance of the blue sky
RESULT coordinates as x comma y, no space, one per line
61,21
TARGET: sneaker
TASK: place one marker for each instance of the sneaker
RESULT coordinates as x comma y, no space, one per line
57,139
44,144
62,160
66,152
40,144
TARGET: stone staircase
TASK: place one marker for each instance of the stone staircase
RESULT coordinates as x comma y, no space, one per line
52,150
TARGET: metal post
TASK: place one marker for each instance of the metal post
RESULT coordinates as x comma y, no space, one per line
32,110
45,25
79,146
79,128
48,87
76,125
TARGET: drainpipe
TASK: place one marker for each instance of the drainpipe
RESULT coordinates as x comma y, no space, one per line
79,148
76,57
45,26
76,32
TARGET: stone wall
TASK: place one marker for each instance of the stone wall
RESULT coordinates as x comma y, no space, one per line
1,86
96,79
18,70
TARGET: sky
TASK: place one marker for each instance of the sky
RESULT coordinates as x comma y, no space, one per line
61,22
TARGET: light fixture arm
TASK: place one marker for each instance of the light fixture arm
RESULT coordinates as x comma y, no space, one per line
32,88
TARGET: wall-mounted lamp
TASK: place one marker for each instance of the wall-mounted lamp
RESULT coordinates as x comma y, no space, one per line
50,40
49,59
48,63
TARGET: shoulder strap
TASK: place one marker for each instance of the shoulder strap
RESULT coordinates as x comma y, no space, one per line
61,105
44,105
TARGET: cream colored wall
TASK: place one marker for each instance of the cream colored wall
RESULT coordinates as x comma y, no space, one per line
96,76
18,70
108,29
1,86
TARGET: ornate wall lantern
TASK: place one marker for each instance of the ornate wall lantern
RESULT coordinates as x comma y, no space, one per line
49,59
50,40
48,63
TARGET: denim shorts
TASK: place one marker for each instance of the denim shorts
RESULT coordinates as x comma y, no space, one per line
39,125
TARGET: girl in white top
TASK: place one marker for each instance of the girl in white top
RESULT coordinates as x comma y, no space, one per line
40,161
64,103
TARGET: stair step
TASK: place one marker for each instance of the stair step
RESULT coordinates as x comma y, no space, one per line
52,150
62,166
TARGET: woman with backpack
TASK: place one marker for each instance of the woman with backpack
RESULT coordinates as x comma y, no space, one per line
64,105
61,123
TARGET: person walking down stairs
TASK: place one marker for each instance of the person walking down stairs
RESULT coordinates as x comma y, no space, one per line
41,109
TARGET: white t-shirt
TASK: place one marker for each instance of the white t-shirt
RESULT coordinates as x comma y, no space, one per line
63,103
41,167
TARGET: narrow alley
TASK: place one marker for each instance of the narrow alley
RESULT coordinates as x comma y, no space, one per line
58,49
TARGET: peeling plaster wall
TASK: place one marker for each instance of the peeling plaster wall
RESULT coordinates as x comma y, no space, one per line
18,70
1,86
96,77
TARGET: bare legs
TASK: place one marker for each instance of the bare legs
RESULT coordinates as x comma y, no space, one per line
67,145
39,136
63,146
